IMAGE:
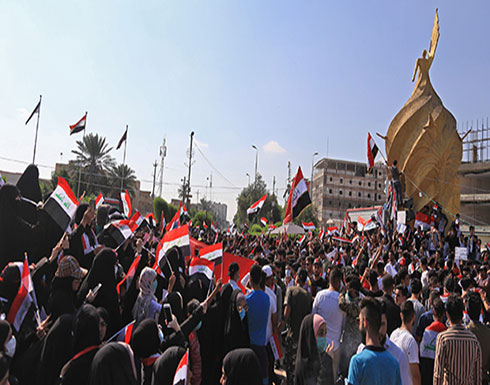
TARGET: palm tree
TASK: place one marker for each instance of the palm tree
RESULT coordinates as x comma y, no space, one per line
92,161
124,173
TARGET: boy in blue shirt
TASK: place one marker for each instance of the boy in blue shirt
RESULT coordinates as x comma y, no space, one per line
374,365
258,315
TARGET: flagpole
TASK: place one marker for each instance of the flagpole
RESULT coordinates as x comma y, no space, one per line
124,158
80,165
37,128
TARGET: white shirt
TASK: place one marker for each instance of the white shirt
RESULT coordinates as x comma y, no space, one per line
399,355
272,310
326,304
425,278
405,341
234,285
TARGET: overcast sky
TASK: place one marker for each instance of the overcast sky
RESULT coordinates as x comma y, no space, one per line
286,76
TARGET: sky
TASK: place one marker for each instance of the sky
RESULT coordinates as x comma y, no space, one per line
291,77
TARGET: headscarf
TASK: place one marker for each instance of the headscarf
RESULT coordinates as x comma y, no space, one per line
242,367
146,294
307,357
82,207
236,330
165,367
145,339
102,271
114,365
175,301
28,184
4,332
318,321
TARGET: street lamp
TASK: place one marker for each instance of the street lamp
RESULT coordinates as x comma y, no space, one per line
256,160
311,180
248,178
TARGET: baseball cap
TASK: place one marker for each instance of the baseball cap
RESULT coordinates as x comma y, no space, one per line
267,270
69,267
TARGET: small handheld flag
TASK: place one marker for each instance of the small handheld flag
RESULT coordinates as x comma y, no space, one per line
263,221
99,201
255,208
308,226
372,151
62,204
126,202
180,377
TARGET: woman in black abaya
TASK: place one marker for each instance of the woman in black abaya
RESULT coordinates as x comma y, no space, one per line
114,364
236,325
241,367
165,367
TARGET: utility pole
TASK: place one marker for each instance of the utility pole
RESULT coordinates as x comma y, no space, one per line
188,192
288,187
163,154
211,187
184,188
154,177
274,185
197,196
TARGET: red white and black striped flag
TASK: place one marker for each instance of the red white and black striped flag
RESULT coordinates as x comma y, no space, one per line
78,126
126,203
212,253
180,377
372,151
263,221
299,198
126,282
62,204
308,225
255,208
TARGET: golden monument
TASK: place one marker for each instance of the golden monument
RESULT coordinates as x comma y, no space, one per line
423,139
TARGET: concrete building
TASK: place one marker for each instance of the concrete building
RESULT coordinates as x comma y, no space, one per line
339,185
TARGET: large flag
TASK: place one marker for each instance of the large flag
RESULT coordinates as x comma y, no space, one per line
126,282
212,253
123,139
62,204
201,265
126,202
333,231
121,230
299,198
244,265
25,296
178,237
99,201
308,225
372,151
78,126
137,219
263,221
423,221
180,377
36,110
255,208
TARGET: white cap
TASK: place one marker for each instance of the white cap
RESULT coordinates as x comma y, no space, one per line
267,270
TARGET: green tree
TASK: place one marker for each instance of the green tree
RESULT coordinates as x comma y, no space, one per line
92,163
159,205
308,215
202,216
251,194
126,174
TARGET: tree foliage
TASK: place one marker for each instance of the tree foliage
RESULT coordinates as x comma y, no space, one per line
126,174
202,216
308,215
159,205
252,193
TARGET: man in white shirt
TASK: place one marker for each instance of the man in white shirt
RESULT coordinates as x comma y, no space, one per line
234,274
394,350
326,304
403,338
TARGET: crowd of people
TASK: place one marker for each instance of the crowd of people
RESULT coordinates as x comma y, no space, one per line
364,307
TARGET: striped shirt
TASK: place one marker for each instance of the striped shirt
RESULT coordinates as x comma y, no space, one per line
458,358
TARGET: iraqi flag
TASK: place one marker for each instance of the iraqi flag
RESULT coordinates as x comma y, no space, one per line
372,151
174,238
302,239
126,203
212,253
333,231
123,139
99,201
24,298
150,218
257,206
62,204
321,234
205,225
423,221
121,230
137,219
78,126
340,239
175,221
213,227
203,266
308,226
180,377
271,227
126,282
263,221
123,335
299,198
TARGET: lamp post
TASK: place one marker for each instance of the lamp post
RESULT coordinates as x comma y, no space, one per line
256,160
311,180
248,178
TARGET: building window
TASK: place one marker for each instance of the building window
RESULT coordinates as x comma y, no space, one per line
350,181
349,205
360,183
330,203
331,179
369,184
341,180
330,191
340,192
369,195
379,185
359,195
350,193
379,196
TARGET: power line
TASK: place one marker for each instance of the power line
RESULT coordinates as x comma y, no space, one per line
214,168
